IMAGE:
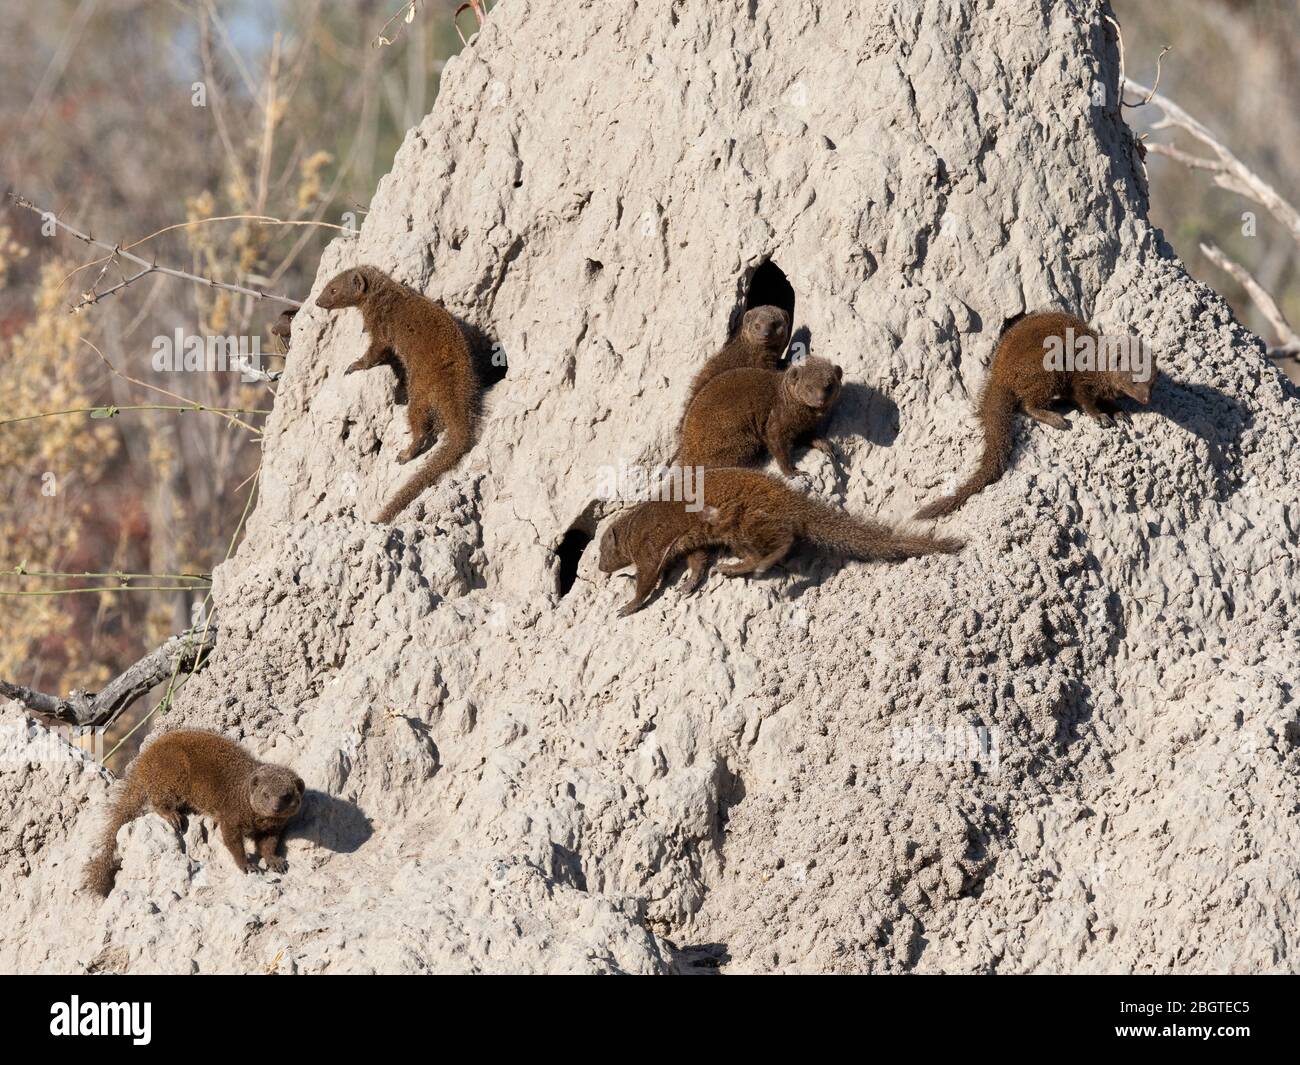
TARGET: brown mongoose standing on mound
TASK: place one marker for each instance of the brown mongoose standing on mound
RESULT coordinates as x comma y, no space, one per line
759,343
755,516
739,412
440,377
1026,374
189,770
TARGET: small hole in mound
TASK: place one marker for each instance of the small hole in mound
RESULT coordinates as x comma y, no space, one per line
573,544
594,267
770,286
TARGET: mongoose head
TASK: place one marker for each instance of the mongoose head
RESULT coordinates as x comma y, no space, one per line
275,791
614,553
815,383
346,289
766,327
1134,367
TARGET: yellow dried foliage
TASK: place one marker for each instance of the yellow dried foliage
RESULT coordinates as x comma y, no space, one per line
47,463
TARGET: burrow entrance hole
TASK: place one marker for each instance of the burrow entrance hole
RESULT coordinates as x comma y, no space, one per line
576,539
770,287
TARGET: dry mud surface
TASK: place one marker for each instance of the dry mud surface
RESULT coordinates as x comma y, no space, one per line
507,778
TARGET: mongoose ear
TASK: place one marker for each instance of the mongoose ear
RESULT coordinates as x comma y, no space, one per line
793,374
299,785
359,282
839,373
710,515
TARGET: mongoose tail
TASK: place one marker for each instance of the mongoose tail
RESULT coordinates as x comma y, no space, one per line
868,540
101,870
450,450
997,408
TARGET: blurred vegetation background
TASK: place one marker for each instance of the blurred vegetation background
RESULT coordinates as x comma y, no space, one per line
125,117
300,117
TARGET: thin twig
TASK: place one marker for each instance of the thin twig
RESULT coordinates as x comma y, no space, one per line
118,250
20,571
174,395
112,410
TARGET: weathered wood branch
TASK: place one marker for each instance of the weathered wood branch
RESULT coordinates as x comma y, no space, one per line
1288,339
102,708
1228,171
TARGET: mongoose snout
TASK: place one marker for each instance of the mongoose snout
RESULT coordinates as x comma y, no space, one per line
767,325
275,791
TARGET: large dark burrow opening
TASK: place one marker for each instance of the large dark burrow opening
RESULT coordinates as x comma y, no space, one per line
770,287
572,545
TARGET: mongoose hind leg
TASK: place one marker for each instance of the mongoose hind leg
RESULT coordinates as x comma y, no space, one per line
1047,417
419,415
765,544
169,810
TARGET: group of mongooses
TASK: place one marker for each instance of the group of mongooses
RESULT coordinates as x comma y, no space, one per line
741,404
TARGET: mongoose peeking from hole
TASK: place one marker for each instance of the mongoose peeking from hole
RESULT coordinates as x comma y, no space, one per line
755,516
741,412
192,771
759,343
440,378
1046,357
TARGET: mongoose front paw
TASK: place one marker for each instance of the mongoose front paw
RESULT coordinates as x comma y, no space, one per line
1105,421
408,454
277,865
353,368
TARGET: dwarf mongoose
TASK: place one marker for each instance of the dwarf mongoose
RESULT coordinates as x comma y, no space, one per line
440,378
189,770
739,412
1030,371
755,516
759,343
282,330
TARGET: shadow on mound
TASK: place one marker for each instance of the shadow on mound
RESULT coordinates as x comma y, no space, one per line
335,824
1215,417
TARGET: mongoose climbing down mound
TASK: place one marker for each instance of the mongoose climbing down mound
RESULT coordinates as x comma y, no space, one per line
759,343
739,412
755,516
1027,373
189,770
440,377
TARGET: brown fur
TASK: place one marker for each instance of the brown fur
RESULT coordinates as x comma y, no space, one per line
755,516
283,328
189,770
440,378
1019,379
741,412
759,343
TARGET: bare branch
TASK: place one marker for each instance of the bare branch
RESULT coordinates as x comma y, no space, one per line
116,250
1289,340
189,649
1229,171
